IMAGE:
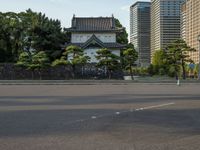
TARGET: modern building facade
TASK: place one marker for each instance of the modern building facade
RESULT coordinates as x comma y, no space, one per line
92,34
140,31
183,21
191,26
165,23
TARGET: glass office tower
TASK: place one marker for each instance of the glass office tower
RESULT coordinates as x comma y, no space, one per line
165,23
140,31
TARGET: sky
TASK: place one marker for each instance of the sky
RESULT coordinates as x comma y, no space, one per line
64,9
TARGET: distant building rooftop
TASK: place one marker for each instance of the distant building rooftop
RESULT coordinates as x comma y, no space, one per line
94,24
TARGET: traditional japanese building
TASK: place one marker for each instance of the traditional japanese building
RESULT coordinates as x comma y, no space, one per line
94,33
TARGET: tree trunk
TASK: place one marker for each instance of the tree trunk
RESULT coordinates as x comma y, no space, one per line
176,74
16,51
131,72
40,74
32,74
109,74
73,71
184,72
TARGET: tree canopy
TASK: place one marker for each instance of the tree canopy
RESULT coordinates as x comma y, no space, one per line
130,55
178,56
28,31
122,37
108,60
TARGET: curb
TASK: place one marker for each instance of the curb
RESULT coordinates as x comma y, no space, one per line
90,82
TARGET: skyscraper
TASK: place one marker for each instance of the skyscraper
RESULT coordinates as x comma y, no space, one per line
140,31
165,23
191,26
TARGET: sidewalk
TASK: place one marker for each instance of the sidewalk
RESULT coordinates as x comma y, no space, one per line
92,82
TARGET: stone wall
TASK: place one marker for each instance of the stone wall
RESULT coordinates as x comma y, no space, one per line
89,71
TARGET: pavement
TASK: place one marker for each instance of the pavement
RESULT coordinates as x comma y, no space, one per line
98,82
100,117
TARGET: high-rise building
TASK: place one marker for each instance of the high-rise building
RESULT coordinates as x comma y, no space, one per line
165,23
140,31
183,21
190,24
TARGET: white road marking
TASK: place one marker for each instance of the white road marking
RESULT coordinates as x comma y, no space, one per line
155,106
117,113
94,117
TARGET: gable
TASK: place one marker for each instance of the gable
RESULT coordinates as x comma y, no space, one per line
93,42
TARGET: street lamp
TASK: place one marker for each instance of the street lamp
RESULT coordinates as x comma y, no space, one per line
199,57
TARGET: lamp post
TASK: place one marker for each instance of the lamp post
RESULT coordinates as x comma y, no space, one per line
199,57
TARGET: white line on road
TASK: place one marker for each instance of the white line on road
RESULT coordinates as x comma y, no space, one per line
155,106
118,113
94,117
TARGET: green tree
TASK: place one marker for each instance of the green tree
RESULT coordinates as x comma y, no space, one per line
40,61
60,62
74,56
122,37
159,62
29,31
43,34
108,60
24,60
178,56
130,56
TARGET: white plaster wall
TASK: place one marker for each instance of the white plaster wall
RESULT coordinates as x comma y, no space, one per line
104,37
91,52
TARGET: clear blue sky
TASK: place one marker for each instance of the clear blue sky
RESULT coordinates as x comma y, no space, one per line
64,9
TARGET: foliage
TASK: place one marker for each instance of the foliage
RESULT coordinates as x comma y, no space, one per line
108,60
28,31
130,56
59,62
159,63
24,60
178,56
73,55
122,37
40,61
76,55
33,61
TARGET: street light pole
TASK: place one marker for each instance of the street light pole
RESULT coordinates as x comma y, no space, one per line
199,57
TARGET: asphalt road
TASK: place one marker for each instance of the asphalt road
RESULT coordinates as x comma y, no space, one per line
100,117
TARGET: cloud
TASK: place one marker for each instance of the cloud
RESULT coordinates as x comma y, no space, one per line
125,8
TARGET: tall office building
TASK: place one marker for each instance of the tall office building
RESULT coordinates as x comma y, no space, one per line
190,24
140,31
165,23
183,21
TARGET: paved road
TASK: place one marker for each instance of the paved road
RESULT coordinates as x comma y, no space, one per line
100,117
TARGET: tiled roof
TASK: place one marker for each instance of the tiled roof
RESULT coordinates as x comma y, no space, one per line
94,41
106,45
98,24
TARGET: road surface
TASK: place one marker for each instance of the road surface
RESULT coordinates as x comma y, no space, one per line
100,117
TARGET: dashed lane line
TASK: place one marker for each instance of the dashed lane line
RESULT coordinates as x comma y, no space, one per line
121,112
155,106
